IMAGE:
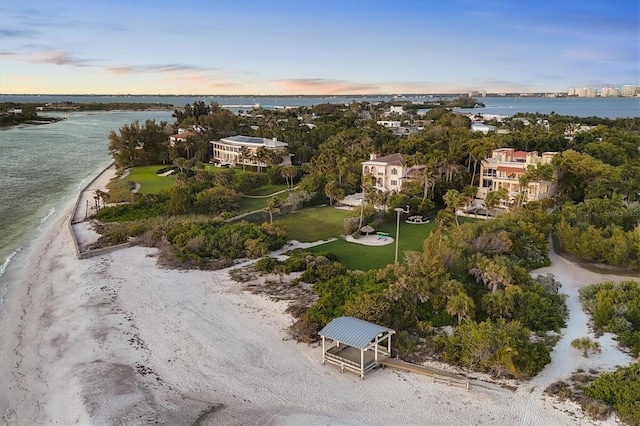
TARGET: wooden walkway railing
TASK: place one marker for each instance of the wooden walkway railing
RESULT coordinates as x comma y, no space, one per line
438,376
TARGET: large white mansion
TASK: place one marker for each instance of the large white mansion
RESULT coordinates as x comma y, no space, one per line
239,150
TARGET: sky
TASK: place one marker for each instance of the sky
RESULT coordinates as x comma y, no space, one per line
316,47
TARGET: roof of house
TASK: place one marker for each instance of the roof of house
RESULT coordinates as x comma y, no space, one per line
389,160
353,331
253,141
183,135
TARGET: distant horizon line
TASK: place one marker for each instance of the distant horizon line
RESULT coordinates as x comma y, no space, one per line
475,93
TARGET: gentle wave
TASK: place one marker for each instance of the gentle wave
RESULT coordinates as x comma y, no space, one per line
6,263
47,217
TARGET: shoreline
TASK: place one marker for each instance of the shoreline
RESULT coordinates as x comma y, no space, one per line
114,339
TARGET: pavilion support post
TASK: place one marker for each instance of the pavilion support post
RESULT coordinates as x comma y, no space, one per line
323,352
361,364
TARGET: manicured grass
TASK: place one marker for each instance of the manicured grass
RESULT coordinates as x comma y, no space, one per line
315,223
150,182
252,204
322,223
267,190
360,257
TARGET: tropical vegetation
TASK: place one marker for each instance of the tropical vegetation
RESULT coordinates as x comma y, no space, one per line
463,292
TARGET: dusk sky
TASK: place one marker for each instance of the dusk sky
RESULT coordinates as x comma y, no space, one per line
326,47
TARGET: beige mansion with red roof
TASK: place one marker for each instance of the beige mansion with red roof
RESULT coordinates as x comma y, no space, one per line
504,168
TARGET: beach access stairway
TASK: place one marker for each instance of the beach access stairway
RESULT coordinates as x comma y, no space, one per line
438,376
348,358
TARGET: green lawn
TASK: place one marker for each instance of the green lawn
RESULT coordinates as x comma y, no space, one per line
252,204
267,190
150,182
357,256
314,224
323,223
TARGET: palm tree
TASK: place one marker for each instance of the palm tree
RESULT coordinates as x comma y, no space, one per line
479,149
454,200
288,173
492,272
493,199
273,206
460,305
101,195
585,345
245,154
261,156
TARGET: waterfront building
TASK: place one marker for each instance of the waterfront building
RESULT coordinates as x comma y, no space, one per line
181,136
249,151
630,90
583,92
609,92
504,168
389,172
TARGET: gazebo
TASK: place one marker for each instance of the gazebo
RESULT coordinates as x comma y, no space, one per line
358,344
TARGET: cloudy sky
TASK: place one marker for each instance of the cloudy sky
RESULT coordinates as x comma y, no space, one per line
327,47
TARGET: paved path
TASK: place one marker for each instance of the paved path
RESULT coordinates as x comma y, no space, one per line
86,203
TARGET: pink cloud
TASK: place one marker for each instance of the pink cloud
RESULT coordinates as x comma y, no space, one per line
325,87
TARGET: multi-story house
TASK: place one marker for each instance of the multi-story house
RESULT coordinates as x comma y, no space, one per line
504,169
389,172
239,150
181,136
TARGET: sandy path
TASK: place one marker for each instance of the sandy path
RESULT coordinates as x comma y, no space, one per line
115,340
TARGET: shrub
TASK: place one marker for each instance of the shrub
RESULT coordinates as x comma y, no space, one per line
560,390
295,264
597,410
404,344
621,389
266,264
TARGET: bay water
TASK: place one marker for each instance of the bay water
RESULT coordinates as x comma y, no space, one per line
43,166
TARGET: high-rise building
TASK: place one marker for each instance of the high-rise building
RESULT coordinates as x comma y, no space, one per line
609,92
630,90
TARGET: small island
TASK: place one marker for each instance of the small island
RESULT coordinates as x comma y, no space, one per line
14,114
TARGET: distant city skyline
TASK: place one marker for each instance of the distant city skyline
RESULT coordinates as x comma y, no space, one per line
329,47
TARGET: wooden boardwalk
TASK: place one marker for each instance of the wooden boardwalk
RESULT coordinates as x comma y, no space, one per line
437,375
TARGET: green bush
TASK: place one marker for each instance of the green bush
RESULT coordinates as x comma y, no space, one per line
404,344
615,307
496,347
266,264
295,264
620,389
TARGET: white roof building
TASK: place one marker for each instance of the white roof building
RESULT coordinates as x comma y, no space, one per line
239,149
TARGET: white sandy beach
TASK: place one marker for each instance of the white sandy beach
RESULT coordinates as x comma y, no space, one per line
115,340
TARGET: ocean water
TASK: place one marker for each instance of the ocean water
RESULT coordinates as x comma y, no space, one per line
43,166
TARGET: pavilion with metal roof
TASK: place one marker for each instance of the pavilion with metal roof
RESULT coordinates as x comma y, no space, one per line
358,344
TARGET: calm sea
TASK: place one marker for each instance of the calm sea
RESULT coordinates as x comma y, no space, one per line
42,167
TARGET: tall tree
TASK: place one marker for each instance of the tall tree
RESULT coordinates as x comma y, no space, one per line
460,305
